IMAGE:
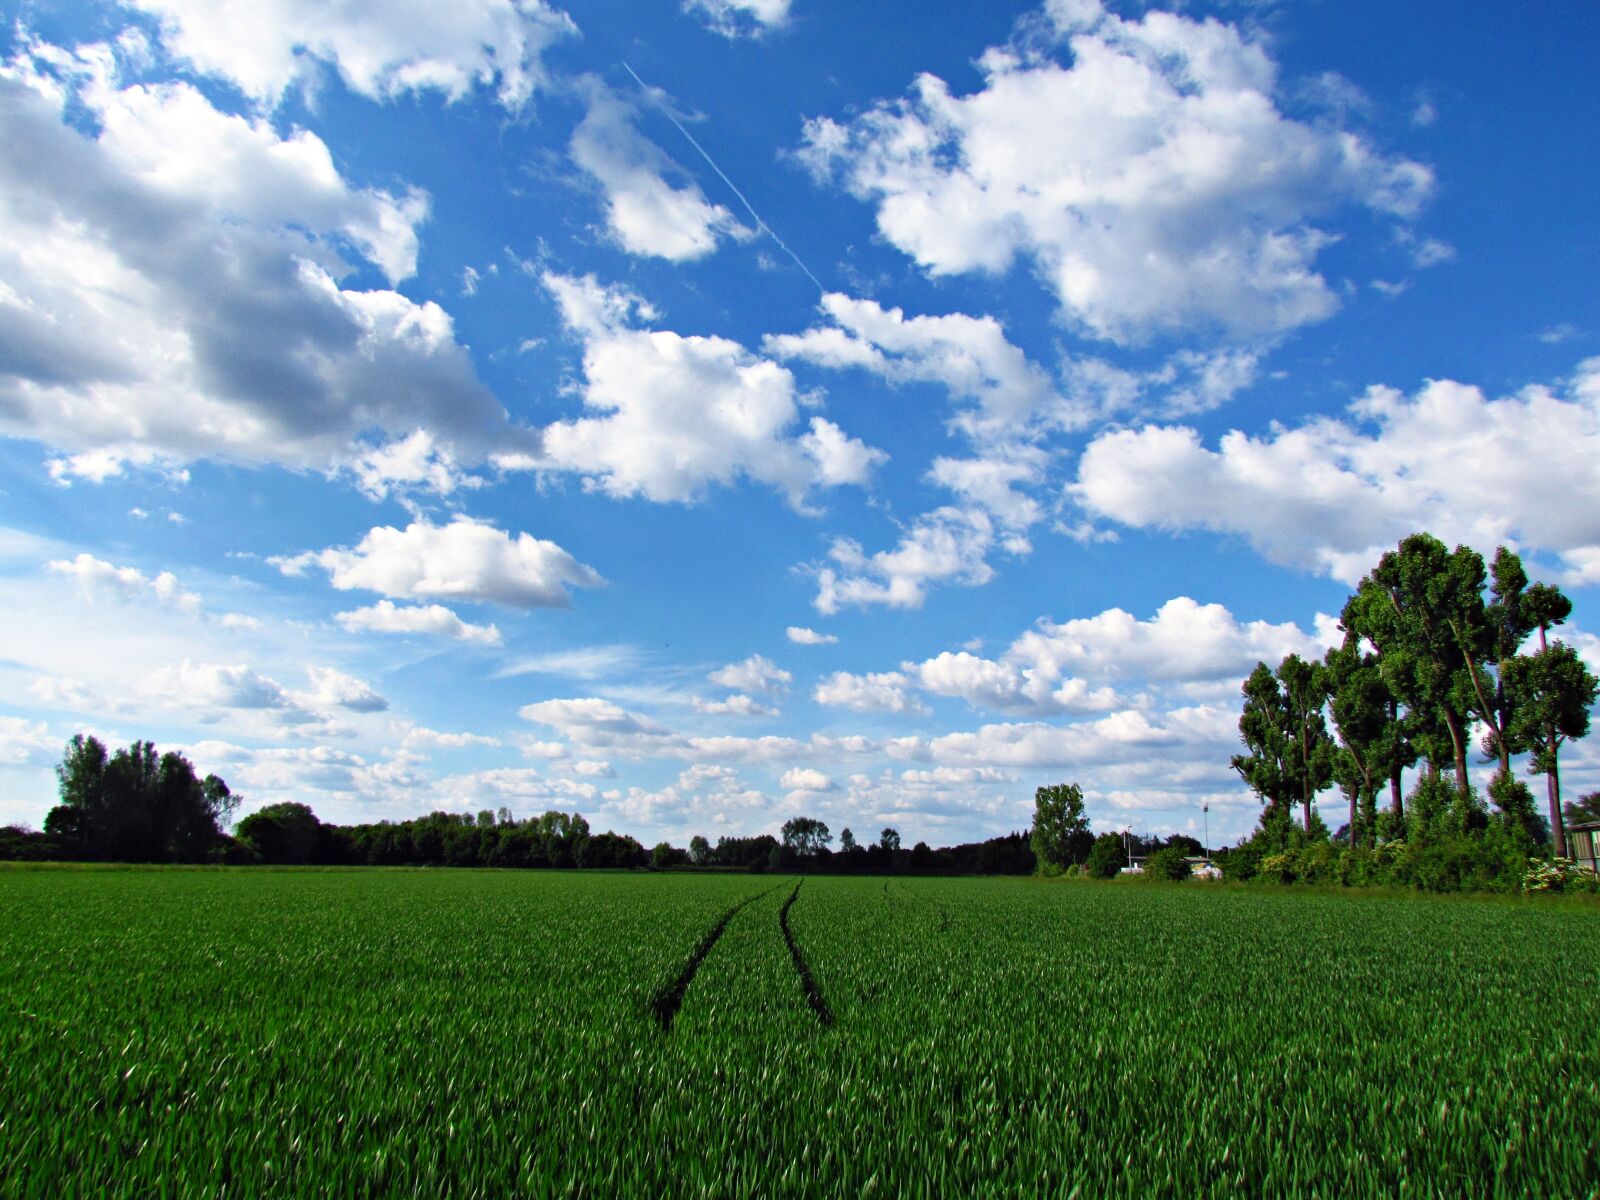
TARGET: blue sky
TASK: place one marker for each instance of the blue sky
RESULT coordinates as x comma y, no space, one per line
699,414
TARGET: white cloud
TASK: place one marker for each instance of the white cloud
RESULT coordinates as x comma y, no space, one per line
25,743
415,462
801,636
1153,183
507,786
594,723
1184,641
946,545
419,735
886,691
434,619
100,580
465,560
172,288
956,775
591,721
584,662
1330,495
645,213
335,689
674,414
215,685
991,482
755,674
804,782
380,50
740,18
970,356
736,705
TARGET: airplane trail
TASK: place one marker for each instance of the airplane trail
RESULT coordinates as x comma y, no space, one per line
761,226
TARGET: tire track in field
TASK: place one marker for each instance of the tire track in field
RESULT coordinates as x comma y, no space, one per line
808,982
668,998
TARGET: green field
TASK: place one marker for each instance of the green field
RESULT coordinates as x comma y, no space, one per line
232,1032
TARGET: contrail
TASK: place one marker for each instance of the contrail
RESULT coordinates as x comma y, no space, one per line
761,226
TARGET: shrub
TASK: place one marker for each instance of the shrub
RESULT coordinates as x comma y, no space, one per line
1167,863
1106,856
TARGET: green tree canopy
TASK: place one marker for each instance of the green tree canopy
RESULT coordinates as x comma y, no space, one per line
137,806
1060,834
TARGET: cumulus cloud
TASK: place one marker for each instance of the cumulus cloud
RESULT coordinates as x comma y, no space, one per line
1076,666
886,691
801,636
100,580
992,482
736,705
592,723
173,287
515,785
645,213
419,735
755,674
805,779
335,689
433,619
740,18
216,685
1151,180
673,414
970,356
379,50
1330,495
465,559
947,545
25,743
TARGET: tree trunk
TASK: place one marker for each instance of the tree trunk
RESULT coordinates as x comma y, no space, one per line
1397,802
1353,794
1459,748
1552,784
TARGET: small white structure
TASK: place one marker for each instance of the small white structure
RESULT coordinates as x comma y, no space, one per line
1203,868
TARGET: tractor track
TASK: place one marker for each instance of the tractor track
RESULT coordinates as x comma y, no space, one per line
668,998
808,982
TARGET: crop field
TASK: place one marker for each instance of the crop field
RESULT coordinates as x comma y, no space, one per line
475,1033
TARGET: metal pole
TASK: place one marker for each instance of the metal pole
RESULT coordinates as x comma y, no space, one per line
1205,812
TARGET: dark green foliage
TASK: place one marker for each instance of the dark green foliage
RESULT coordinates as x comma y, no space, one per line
135,806
1583,810
1424,656
1552,692
1167,864
1106,856
664,856
805,837
1060,836
286,833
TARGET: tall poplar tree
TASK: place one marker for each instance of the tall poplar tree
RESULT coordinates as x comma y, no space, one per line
1552,692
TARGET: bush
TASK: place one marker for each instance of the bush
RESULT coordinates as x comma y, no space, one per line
665,856
1106,856
1559,875
1167,863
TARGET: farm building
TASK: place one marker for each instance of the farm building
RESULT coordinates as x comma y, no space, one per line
1581,844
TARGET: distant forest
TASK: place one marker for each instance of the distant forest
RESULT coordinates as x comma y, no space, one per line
135,805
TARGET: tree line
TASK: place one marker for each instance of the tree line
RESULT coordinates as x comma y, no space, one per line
1442,655
133,805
